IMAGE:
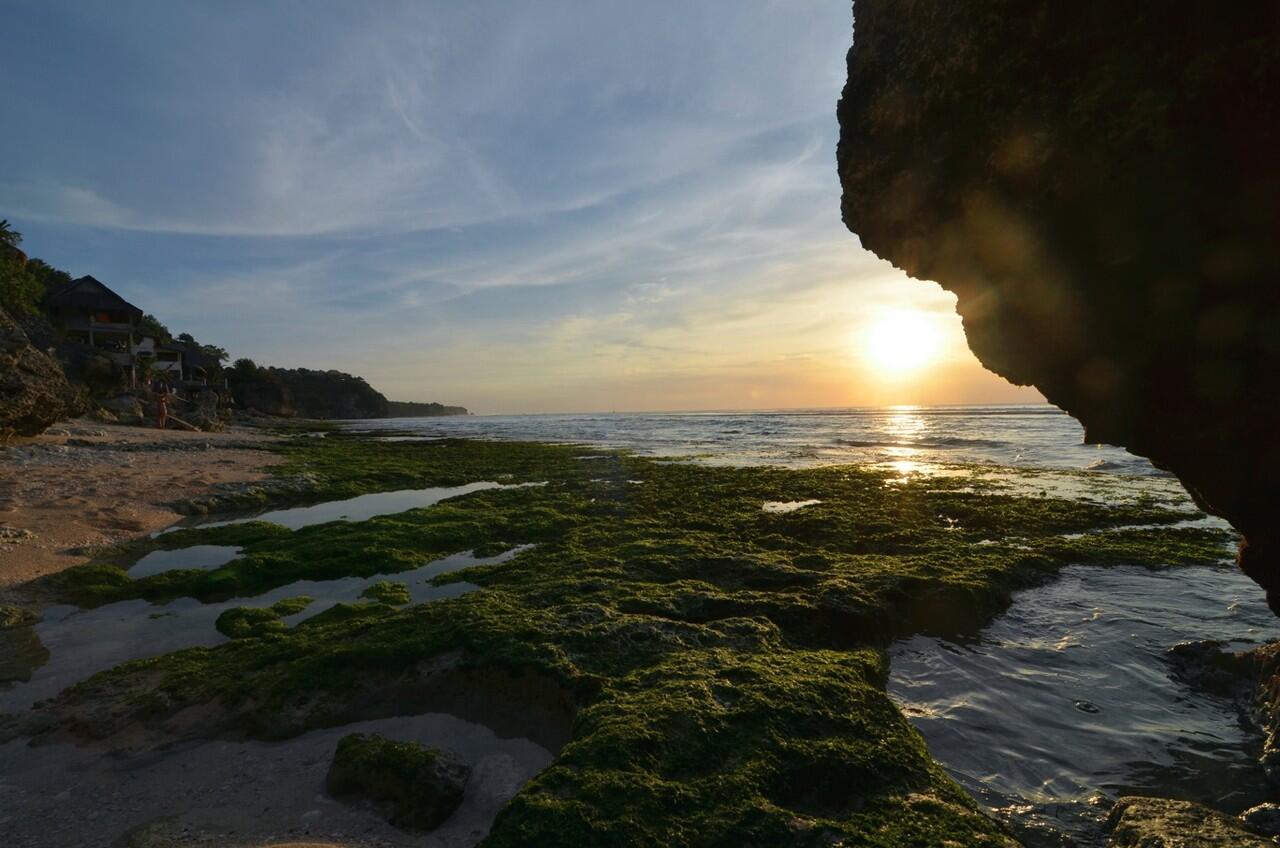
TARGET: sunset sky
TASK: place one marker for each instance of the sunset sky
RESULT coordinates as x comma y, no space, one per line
582,206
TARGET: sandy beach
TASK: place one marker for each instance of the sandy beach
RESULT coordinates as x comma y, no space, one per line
82,485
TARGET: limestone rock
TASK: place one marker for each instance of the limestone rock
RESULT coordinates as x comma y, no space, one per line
34,392
1097,183
412,785
1138,822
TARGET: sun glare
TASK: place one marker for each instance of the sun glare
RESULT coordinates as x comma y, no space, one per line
900,343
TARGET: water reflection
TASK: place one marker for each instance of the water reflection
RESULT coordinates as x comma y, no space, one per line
84,641
1070,694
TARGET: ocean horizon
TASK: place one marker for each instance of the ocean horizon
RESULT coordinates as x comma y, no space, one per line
916,437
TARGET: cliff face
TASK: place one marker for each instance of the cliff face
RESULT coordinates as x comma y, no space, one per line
270,397
414,409
1098,182
331,394
34,392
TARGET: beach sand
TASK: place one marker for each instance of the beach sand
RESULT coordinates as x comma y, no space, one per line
83,484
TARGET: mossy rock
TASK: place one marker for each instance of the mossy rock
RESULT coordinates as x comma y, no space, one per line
388,592
249,622
1141,822
12,616
291,606
412,785
21,653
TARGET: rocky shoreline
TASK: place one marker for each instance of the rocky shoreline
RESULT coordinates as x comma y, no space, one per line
652,611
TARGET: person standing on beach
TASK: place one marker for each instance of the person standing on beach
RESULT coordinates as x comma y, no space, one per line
162,405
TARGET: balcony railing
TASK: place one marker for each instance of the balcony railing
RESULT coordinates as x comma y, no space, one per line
85,325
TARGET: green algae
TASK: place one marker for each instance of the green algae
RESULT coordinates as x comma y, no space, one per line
724,663
249,622
415,786
388,592
291,606
252,622
12,617
701,513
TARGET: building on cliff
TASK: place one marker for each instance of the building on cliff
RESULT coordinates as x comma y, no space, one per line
90,312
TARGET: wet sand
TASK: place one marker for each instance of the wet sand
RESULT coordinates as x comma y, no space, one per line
83,485
239,793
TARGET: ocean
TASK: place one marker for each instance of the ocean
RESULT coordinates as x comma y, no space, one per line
1016,435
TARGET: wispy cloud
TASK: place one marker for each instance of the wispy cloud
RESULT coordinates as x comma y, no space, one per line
491,203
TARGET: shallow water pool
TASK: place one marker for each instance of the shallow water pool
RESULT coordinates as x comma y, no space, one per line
204,557
82,642
1070,695
359,508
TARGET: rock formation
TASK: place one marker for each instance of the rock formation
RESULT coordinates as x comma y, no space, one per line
411,785
1139,822
34,392
1099,185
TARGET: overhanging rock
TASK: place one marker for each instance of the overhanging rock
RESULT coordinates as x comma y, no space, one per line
1099,184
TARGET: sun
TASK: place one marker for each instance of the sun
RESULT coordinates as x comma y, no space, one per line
900,343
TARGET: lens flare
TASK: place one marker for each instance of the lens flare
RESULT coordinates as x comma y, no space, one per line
902,343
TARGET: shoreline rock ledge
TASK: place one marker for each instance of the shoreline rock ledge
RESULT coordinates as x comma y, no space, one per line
1098,184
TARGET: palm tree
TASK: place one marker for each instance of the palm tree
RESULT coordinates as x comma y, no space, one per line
9,237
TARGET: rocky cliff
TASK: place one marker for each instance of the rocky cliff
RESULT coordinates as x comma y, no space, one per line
331,394
33,390
1098,184
270,397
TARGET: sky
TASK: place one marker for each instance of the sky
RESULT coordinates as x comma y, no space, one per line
530,206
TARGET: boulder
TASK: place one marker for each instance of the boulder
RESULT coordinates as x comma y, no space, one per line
34,392
1097,183
411,785
1139,822
125,409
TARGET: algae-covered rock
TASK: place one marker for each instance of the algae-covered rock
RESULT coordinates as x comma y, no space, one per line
21,653
291,606
248,622
12,616
1139,822
411,785
388,592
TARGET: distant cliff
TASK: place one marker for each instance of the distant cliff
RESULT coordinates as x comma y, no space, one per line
319,394
331,394
413,409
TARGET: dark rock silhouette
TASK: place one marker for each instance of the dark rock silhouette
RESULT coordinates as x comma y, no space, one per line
1099,184
414,409
270,397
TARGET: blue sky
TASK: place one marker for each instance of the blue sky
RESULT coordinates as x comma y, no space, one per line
515,206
